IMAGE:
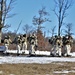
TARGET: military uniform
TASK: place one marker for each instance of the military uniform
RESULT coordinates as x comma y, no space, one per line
24,43
7,41
59,46
56,46
52,42
19,44
33,44
68,45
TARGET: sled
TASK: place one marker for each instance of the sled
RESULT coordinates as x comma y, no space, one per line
2,49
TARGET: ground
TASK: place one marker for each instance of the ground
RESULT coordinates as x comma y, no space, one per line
43,65
55,68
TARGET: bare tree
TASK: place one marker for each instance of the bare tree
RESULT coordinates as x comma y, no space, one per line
68,31
41,19
5,7
28,29
60,11
38,21
53,31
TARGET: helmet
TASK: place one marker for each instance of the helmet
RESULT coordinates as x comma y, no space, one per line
6,37
24,35
18,36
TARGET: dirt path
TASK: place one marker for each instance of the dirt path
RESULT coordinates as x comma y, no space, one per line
38,69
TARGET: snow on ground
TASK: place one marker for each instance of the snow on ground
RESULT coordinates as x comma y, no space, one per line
40,60
64,71
27,52
36,52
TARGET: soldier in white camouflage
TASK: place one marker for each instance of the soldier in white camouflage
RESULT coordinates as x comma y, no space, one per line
33,44
24,43
7,42
68,42
19,44
52,41
56,42
59,45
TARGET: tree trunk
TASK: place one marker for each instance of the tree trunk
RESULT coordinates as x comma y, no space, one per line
59,30
0,35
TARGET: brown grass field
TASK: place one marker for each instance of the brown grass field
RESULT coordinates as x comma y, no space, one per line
38,69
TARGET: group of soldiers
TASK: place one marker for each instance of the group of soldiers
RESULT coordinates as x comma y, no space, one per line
61,46
22,42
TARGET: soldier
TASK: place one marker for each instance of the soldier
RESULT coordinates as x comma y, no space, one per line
24,43
59,46
7,41
68,45
56,46
19,44
33,44
52,41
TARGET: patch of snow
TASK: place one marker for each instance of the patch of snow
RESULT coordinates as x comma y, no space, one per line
42,52
1,72
27,52
12,74
64,71
59,63
61,72
47,74
40,60
36,52
72,54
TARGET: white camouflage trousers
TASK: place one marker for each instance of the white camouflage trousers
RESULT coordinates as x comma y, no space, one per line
32,49
56,50
59,51
24,47
67,50
18,49
6,47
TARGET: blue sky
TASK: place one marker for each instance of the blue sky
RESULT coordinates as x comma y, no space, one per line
26,9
